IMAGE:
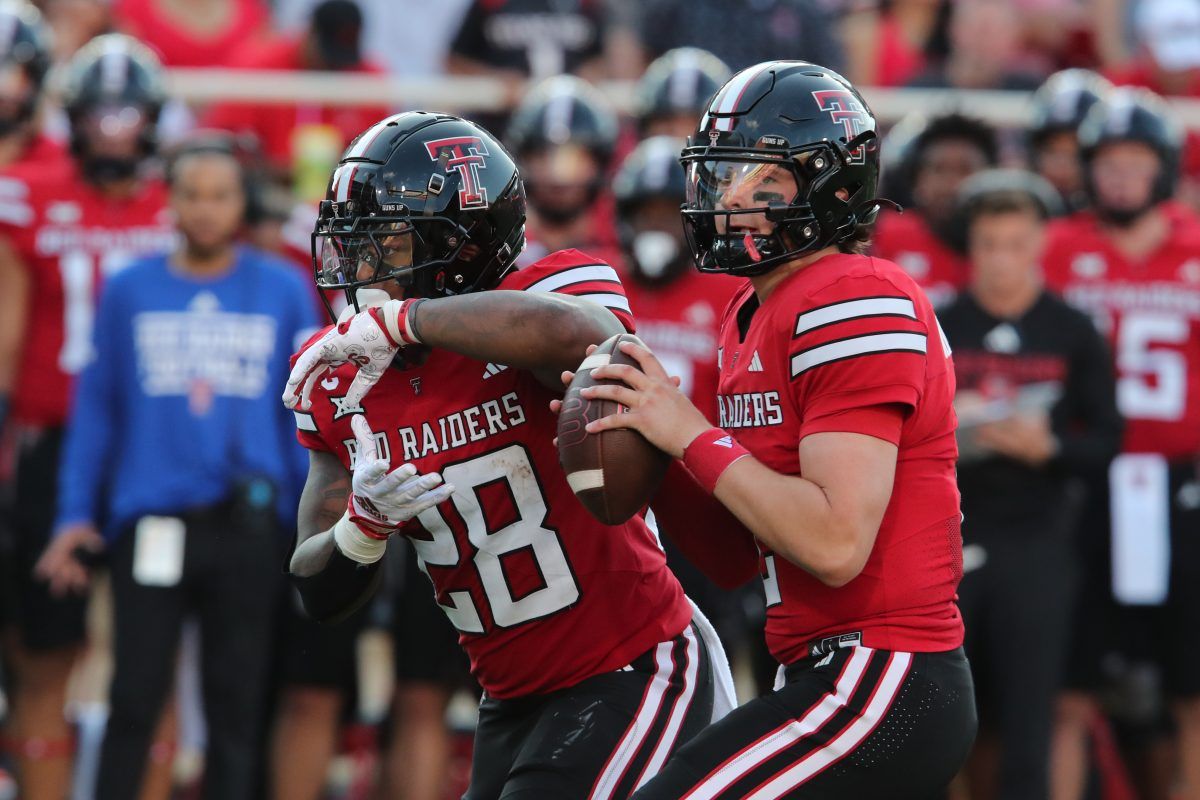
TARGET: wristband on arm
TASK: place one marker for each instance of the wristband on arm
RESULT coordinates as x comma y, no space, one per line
358,537
396,319
710,454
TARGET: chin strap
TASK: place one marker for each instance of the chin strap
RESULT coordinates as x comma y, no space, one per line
883,201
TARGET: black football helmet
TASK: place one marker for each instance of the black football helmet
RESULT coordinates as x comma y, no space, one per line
561,111
651,171
1132,115
429,200
680,81
120,80
1062,102
803,118
25,46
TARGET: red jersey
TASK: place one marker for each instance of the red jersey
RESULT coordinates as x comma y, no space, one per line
1150,312
844,333
41,150
543,596
679,322
281,128
907,240
69,237
180,47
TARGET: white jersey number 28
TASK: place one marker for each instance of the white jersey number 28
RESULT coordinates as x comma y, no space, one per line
510,465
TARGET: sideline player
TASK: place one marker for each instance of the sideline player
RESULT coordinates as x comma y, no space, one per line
64,226
582,639
836,455
24,63
1132,260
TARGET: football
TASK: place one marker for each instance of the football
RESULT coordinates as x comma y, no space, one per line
613,473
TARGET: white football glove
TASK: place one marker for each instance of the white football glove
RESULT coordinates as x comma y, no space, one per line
370,339
381,501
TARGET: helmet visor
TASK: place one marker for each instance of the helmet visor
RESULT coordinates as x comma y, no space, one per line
345,260
743,186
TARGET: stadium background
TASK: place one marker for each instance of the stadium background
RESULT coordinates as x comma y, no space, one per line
236,65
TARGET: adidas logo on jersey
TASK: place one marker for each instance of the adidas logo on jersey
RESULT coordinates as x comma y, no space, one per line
493,369
755,363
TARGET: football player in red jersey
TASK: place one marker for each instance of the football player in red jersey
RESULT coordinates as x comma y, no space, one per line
835,455
24,62
563,134
1133,261
63,226
942,155
1052,141
582,639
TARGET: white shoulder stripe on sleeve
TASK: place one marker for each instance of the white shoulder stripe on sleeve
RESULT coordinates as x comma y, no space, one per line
305,422
857,346
16,213
591,272
613,301
854,309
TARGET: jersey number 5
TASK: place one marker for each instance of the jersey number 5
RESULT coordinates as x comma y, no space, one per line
510,465
1153,379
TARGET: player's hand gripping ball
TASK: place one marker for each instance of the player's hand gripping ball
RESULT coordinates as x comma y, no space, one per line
613,473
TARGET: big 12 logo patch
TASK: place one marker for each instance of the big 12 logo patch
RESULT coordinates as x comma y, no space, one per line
844,107
467,155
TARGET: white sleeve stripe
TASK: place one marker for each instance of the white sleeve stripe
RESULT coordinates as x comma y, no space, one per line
594,272
17,214
305,422
854,309
857,346
617,301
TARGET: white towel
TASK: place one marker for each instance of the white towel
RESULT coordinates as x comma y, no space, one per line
1141,533
724,695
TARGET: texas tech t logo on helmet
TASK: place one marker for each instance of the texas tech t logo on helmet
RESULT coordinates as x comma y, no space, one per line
844,107
468,155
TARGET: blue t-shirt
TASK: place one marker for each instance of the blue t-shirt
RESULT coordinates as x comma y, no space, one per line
182,399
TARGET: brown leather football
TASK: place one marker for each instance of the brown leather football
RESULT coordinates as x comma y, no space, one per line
613,473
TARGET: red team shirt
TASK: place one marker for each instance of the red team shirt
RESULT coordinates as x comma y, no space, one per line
69,237
834,339
543,596
1151,314
679,322
907,240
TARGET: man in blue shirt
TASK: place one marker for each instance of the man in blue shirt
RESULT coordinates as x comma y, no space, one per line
181,463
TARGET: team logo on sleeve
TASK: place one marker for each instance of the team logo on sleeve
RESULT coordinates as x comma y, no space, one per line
843,107
467,155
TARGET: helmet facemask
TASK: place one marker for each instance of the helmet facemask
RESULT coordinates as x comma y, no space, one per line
418,253
732,192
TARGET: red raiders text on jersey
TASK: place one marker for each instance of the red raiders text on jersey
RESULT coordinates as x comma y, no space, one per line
1150,312
541,593
843,333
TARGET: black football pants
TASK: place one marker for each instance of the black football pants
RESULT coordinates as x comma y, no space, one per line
858,724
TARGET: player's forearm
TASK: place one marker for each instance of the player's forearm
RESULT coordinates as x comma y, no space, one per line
795,519
525,330
331,586
13,305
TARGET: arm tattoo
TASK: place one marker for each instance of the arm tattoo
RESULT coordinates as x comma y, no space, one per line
325,494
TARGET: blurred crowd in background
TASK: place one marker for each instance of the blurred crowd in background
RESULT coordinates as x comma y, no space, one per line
1080,576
